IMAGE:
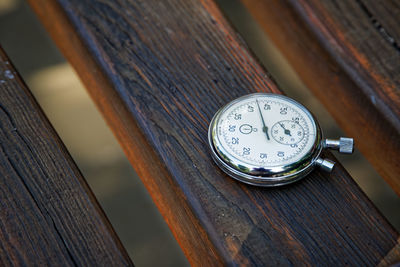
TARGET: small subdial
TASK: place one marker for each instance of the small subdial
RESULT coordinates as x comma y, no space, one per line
287,132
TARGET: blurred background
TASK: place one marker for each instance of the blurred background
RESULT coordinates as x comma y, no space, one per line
97,153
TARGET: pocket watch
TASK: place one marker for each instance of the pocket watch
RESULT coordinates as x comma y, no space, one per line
267,139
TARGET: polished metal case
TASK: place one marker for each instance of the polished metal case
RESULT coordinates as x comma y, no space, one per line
260,176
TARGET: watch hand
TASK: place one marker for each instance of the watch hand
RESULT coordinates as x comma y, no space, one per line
265,128
286,131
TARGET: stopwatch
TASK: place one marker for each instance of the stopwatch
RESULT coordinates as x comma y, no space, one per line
267,139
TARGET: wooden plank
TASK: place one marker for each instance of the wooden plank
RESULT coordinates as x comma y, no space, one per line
48,215
158,70
347,53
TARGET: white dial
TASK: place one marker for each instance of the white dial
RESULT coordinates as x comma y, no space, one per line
269,140
264,130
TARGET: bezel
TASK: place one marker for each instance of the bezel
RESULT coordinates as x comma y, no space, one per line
254,175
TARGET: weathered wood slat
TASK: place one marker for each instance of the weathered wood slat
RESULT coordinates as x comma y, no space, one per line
158,70
348,53
48,215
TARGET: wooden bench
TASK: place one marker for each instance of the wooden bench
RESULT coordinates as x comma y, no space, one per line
158,71
48,214
348,54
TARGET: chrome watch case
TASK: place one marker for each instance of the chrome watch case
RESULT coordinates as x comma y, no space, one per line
279,175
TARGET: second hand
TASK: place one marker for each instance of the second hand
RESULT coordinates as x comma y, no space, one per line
265,128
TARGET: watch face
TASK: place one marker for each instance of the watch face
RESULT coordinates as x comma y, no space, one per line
263,132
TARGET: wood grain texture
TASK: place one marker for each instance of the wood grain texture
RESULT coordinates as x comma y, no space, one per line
347,53
48,215
159,70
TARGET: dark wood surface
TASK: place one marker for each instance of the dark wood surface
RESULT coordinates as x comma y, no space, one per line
159,70
348,53
48,215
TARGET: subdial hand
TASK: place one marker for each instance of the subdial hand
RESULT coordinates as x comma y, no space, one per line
286,131
265,128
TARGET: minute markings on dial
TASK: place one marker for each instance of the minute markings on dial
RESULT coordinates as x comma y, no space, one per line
248,147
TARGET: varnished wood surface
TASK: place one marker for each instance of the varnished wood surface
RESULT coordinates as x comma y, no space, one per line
348,53
159,70
48,215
